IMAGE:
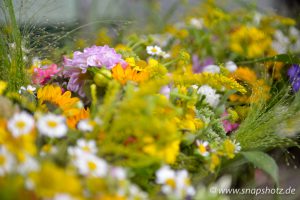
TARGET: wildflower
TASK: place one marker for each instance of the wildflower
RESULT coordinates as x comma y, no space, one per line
210,95
153,50
3,86
20,124
89,164
43,74
86,125
118,173
202,148
228,126
173,182
27,165
214,162
52,125
231,66
128,74
211,69
30,89
71,106
249,41
53,184
82,147
199,66
7,161
164,54
230,148
197,23
48,149
294,76
96,56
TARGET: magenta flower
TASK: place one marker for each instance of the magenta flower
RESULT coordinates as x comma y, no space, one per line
43,74
96,56
228,126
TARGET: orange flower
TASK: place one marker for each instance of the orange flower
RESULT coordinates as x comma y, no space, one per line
257,88
128,74
69,105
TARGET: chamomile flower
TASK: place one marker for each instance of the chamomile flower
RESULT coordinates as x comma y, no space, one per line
211,97
86,125
174,182
20,124
214,69
164,54
153,50
90,164
202,147
29,164
7,161
231,66
30,89
52,126
87,146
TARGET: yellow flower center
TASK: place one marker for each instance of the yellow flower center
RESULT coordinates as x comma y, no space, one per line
171,183
202,148
91,165
52,124
86,148
154,50
2,160
20,124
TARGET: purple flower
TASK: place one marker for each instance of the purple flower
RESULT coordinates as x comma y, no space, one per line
294,75
199,66
96,56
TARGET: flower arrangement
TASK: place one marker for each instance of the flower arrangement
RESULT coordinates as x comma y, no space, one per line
157,117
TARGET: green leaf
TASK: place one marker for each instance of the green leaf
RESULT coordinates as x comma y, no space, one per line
285,58
264,162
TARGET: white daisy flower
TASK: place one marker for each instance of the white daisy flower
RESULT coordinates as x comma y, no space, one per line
85,125
237,146
164,54
52,125
90,164
174,182
215,69
63,196
30,89
211,97
87,146
28,165
197,23
118,173
153,50
20,124
7,161
202,147
231,66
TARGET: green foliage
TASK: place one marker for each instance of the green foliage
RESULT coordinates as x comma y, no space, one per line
264,162
12,65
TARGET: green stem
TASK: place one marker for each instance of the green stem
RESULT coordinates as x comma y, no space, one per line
16,76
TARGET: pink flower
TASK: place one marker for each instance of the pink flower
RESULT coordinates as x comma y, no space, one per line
228,126
96,56
43,74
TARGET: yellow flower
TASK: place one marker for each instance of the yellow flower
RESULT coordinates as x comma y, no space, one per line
214,162
250,42
48,181
3,86
128,74
103,38
69,105
257,89
168,153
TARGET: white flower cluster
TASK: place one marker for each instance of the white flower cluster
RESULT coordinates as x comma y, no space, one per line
157,51
175,183
211,97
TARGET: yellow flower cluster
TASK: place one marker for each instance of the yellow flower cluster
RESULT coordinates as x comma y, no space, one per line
217,81
250,42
